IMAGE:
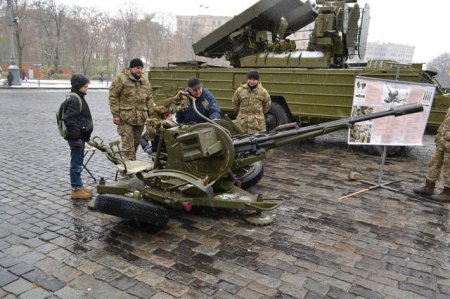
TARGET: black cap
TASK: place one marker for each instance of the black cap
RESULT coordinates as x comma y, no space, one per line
78,80
194,83
136,62
253,75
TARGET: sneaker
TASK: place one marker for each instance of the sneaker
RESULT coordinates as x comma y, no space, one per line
80,194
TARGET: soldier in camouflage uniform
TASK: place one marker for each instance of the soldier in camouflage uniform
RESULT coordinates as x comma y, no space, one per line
439,163
131,103
252,101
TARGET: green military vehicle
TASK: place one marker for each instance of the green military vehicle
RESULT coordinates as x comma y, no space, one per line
309,86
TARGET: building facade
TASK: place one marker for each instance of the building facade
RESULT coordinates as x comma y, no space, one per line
389,51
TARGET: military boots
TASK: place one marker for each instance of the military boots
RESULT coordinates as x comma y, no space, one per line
444,196
428,189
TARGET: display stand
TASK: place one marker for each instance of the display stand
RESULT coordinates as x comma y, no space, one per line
375,185
385,185
372,95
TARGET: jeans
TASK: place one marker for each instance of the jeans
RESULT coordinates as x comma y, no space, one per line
76,163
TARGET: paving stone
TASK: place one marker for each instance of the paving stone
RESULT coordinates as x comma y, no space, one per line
316,287
18,287
20,269
107,275
90,267
228,287
48,236
68,292
173,288
184,268
364,292
66,274
36,293
33,242
220,294
141,290
259,288
180,277
124,283
4,245
6,278
426,292
7,262
51,284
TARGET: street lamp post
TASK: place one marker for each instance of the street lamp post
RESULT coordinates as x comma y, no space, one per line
12,58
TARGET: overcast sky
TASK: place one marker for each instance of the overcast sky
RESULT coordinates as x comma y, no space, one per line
420,24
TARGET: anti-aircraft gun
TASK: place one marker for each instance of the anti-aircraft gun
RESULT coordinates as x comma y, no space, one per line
201,166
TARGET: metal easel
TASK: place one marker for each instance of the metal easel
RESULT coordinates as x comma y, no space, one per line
378,184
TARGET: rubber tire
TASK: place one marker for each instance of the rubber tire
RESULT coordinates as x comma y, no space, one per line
391,151
139,211
253,175
276,116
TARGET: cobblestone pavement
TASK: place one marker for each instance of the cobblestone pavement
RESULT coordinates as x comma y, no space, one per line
377,244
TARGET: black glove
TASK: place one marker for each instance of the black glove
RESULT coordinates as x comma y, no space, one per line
78,143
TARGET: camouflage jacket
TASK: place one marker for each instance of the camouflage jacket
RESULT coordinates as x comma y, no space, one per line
251,106
131,99
443,133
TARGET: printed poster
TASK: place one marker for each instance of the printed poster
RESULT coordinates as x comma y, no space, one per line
376,95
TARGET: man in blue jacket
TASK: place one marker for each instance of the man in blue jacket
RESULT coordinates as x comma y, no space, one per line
204,101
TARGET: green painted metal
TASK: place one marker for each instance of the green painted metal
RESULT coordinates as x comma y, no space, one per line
310,86
308,95
207,178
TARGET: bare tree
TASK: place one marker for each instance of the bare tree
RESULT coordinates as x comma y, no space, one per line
83,30
52,18
441,64
154,40
125,35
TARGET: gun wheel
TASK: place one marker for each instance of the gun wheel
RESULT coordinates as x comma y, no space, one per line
250,175
139,211
259,219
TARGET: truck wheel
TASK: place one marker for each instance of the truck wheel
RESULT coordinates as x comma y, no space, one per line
251,175
139,211
276,116
391,151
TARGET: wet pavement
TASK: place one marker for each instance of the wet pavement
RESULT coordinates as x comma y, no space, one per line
376,244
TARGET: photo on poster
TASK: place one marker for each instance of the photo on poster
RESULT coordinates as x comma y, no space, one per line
361,132
395,95
360,110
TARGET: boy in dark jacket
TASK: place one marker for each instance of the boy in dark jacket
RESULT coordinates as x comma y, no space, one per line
78,121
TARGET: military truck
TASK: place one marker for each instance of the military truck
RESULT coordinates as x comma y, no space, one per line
308,86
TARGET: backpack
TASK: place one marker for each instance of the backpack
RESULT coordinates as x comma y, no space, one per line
60,114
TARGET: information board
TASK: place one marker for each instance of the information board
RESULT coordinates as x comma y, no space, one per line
375,95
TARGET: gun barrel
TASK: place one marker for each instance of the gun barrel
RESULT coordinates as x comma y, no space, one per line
253,143
395,111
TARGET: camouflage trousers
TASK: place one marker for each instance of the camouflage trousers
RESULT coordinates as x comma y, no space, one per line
252,124
440,163
130,139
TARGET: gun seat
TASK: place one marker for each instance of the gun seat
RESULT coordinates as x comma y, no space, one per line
114,154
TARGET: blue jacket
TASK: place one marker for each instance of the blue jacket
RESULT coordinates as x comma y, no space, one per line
206,104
